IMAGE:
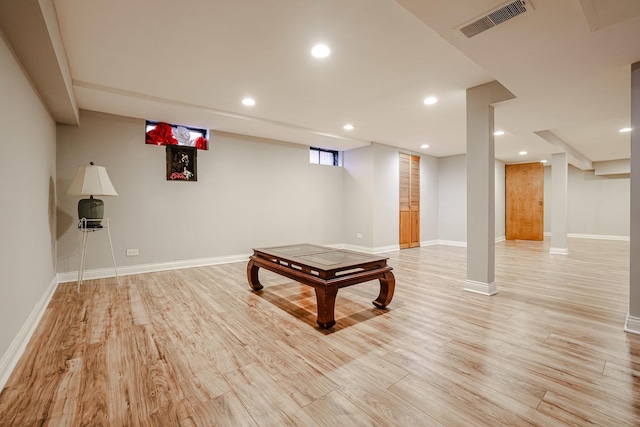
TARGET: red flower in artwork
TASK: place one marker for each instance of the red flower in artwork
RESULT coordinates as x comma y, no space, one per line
162,134
201,143
177,175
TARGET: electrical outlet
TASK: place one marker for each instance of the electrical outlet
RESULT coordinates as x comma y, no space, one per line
132,252
359,236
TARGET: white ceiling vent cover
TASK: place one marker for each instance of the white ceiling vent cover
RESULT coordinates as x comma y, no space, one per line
497,16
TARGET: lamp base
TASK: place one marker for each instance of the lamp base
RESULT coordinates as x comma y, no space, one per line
91,209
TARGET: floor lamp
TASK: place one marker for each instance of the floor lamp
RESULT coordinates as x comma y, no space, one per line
91,181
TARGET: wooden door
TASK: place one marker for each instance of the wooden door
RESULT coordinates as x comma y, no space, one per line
525,201
409,201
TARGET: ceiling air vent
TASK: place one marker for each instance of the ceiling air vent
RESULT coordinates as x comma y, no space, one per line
498,16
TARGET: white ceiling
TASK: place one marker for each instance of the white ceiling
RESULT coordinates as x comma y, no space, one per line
193,61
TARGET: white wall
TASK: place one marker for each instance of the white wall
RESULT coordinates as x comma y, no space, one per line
372,197
429,198
597,205
358,196
548,206
386,200
452,210
452,190
500,195
27,197
250,193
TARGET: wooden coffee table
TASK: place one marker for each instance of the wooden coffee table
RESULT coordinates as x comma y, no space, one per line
327,270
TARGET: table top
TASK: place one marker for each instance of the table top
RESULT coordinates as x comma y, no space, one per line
321,258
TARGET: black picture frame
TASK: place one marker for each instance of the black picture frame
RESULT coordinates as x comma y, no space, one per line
182,163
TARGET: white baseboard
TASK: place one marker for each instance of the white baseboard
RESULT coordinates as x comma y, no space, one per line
598,237
13,354
101,273
452,243
592,236
377,250
389,248
356,248
481,287
632,325
458,243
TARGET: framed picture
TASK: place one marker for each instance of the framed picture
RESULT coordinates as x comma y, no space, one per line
182,163
161,133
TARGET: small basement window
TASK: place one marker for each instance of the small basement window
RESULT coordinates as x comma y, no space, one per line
322,156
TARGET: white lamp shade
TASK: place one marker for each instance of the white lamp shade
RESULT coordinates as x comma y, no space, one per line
91,181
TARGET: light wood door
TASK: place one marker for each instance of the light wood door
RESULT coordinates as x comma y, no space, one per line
409,201
525,201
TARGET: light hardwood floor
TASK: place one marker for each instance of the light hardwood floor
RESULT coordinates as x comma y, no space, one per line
197,347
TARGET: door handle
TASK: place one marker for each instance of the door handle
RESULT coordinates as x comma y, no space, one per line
540,202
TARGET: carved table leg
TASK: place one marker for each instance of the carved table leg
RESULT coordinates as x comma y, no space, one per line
326,301
252,275
387,286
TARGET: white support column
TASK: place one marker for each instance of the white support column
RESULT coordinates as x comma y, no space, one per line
633,317
480,186
559,178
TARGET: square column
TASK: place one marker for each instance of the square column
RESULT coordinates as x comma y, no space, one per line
559,178
633,317
480,186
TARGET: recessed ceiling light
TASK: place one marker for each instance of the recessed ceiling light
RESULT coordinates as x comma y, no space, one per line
523,153
424,146
625,130
249,102
430,100
498,132
348,126
543,161
320,51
